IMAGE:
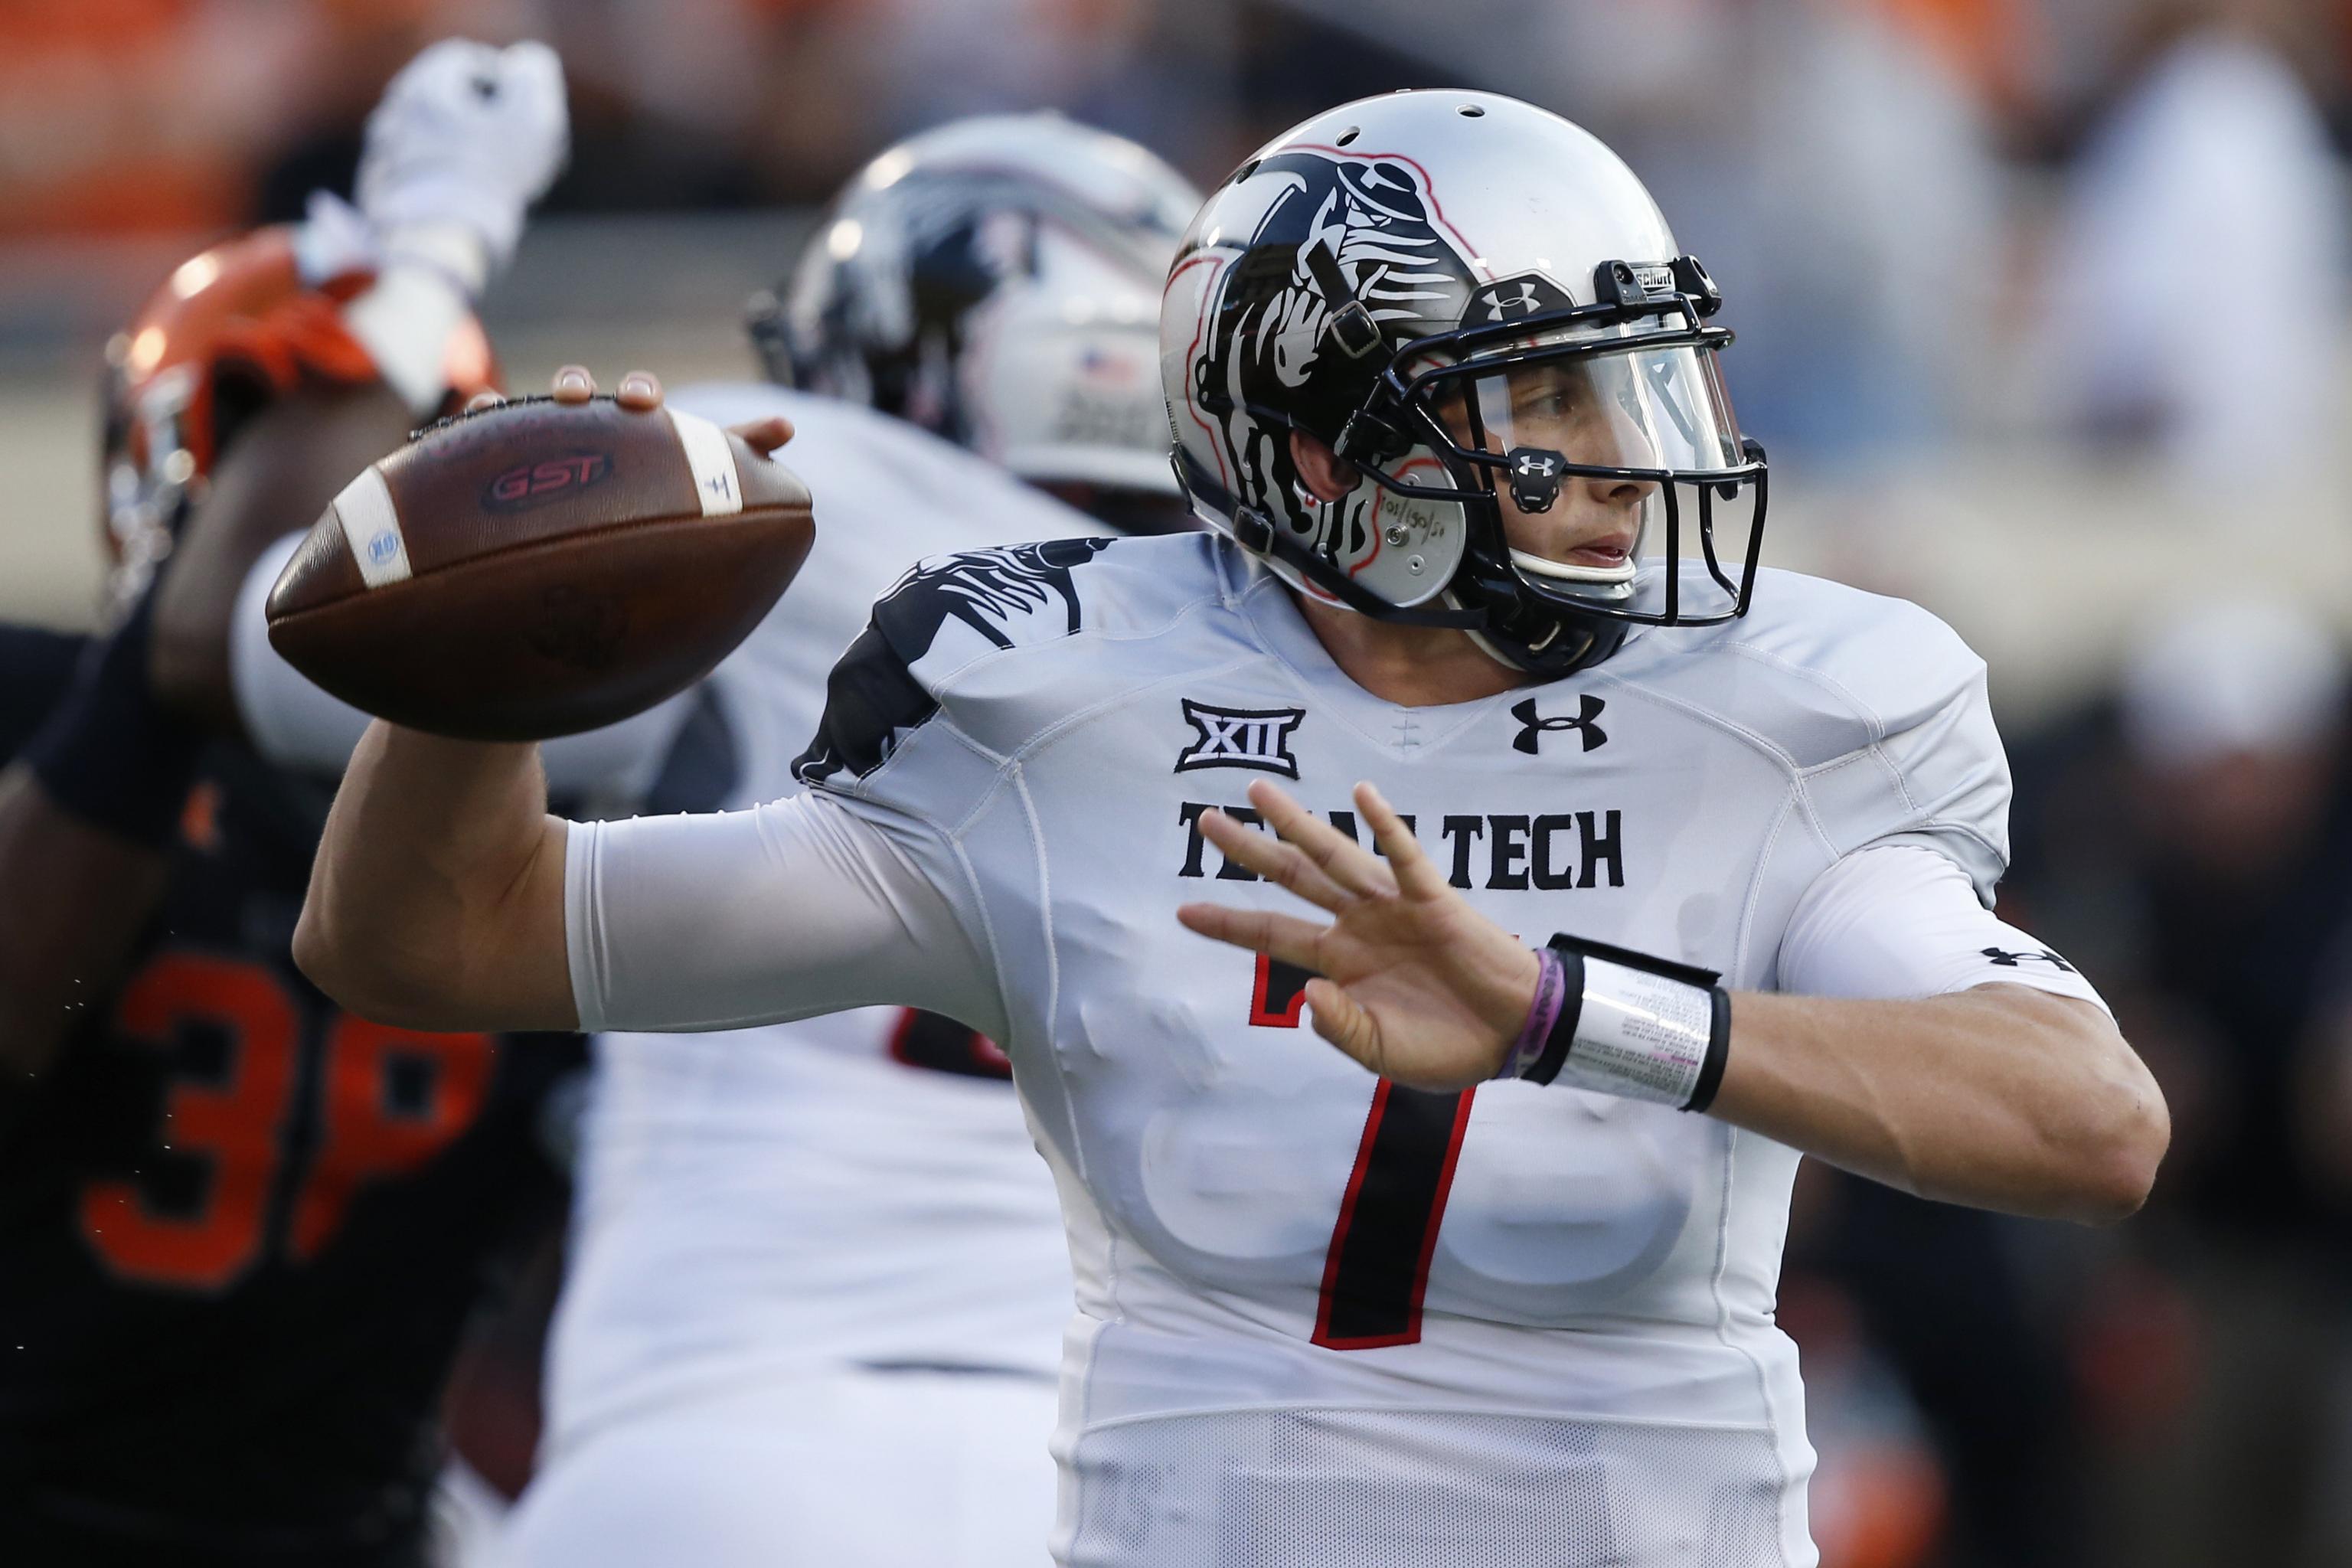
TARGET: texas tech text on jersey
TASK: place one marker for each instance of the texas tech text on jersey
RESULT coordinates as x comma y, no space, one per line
1578,1309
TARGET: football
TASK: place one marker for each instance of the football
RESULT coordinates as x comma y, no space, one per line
540,568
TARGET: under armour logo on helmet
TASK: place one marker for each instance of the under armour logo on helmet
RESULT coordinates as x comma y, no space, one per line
2017,960
1535,476
1529,294
1500,306
1589,709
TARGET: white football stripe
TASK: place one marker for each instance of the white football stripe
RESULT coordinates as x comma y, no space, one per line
371,528
712,458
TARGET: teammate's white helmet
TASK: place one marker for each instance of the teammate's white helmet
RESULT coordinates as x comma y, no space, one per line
1467,298
997,281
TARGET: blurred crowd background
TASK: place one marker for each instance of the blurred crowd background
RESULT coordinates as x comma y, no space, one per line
2042,314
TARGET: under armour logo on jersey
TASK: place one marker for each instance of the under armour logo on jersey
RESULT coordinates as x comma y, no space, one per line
2016,960
1589,707
1241,738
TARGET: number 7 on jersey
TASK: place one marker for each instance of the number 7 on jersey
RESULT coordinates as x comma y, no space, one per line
1377,1269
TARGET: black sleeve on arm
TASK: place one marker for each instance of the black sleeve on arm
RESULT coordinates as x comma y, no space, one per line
37,667
37,664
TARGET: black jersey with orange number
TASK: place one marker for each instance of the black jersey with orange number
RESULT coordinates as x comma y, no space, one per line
241,1230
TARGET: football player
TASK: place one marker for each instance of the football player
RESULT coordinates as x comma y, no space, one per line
1445,390
240,1230
799,1271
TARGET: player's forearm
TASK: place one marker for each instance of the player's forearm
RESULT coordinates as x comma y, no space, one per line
88,812
278,477
436,898
2000,1097
72,900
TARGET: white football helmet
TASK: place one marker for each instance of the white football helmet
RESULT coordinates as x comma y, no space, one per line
997,281
1475,303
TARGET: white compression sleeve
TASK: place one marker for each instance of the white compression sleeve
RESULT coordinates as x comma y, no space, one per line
296,725
291,721
423,293
802,906
1900,921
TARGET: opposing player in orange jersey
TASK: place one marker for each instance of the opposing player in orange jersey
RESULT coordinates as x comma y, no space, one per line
241,1230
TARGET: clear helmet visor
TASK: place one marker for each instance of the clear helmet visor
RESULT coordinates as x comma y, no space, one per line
1605,461
1659,410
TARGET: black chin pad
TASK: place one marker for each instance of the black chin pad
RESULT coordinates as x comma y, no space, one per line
1550,644
1535,473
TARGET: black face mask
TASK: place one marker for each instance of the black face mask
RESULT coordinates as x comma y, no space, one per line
1644,346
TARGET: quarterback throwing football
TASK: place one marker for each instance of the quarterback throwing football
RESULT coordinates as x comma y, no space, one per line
1445,388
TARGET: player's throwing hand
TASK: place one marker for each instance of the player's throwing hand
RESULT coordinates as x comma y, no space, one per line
1412,982
642,390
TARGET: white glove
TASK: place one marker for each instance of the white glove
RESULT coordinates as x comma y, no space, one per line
467,136
334,237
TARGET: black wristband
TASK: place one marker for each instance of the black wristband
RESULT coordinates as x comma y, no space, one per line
1718,1051
110,753
1647,1045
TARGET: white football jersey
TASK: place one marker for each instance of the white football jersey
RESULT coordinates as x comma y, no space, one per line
1321,1319
857,1189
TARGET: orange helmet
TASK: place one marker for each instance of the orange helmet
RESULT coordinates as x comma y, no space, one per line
231,330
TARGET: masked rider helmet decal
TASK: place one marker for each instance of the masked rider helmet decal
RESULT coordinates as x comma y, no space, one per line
1476,305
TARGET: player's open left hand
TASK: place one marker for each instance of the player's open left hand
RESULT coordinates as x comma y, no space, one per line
642,390
1411,981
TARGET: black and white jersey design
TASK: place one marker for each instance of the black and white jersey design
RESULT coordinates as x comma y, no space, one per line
1321,1318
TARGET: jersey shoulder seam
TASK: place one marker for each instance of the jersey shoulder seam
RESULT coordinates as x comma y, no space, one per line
1790,805
1067,722
951,838
1635,686
1873,723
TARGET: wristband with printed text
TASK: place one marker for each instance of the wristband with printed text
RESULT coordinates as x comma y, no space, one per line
1631,1024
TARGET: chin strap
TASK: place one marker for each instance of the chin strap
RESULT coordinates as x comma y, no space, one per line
1496,651
1568,643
